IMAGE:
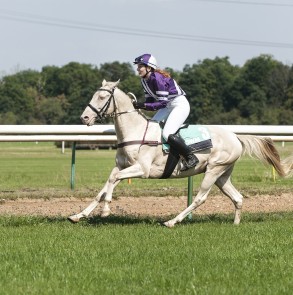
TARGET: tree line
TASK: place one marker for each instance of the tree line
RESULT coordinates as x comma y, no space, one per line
259,92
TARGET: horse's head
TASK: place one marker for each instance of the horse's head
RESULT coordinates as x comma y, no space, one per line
101,104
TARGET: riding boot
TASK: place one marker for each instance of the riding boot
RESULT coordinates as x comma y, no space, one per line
179,145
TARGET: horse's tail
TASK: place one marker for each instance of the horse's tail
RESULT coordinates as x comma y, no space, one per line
263,149
288,165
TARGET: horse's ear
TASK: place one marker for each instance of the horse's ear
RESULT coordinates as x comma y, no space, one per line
104,83
116,83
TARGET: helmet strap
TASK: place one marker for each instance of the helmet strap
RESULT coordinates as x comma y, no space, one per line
146,72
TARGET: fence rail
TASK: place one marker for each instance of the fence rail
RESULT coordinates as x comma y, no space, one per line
106,133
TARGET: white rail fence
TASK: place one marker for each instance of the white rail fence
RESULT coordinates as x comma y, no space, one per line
106,134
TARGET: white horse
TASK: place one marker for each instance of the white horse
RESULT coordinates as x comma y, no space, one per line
138,156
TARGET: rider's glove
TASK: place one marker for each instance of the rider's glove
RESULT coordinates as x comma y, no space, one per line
138,105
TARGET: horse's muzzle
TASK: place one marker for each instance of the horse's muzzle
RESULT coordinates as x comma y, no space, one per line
87,121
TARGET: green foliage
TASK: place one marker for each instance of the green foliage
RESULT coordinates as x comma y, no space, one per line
260,92
207,84
18,94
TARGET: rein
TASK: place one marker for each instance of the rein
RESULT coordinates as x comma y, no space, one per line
102,113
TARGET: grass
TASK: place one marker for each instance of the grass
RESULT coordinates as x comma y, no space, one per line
130,255
136,256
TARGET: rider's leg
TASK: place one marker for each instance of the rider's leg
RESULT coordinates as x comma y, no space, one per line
179,112
179,145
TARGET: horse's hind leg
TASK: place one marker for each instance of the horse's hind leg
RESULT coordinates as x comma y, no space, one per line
205,187
225,185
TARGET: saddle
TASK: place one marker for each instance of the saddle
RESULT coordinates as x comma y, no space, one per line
197,137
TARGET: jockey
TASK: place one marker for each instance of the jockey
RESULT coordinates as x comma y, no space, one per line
162,93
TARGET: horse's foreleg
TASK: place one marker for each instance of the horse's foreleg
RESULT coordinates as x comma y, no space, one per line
114,179
107,198
100,197
106,193
200,198
130,172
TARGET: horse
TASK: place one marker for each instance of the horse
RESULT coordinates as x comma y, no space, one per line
140,154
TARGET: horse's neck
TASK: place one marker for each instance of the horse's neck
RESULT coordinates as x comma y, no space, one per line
128,126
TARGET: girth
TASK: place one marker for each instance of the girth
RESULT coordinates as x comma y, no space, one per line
140,142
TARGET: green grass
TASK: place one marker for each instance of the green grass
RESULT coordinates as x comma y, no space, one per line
41,170
130,255
125,255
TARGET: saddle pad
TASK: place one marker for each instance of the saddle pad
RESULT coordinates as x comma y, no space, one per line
196,136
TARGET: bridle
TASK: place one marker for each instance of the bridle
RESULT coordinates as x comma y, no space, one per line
102,113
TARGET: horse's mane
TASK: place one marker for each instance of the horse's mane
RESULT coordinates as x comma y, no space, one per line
132,97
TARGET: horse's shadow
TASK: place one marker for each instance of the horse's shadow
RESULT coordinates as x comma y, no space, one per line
194,219
156,221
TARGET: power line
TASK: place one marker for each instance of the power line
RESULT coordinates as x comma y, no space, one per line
248,3
49,21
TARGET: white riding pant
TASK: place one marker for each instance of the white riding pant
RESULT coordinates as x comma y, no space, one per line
174,115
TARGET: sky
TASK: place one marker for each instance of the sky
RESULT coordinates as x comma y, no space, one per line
38,33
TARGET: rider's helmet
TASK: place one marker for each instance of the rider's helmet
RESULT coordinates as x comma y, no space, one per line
146,59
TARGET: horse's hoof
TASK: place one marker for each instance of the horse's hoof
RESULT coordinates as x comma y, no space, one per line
105,213
73,218
168,224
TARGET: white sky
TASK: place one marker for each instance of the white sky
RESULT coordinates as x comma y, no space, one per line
36,33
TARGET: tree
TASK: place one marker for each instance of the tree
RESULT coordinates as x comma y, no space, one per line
207,85
115,71
76,83
124,72
8,118
15,95
260,90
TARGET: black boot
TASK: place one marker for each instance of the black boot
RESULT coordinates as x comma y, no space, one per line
179,145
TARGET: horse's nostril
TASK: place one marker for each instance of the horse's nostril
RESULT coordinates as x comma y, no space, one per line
84,118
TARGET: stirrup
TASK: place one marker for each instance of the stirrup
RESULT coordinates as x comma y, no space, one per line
187,164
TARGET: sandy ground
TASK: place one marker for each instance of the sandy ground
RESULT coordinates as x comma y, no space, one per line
144,206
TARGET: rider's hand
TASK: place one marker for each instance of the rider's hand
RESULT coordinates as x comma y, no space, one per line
138,105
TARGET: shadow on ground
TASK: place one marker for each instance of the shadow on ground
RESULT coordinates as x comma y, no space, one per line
11,220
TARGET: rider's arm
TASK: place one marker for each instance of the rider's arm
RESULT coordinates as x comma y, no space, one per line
159,86
154,106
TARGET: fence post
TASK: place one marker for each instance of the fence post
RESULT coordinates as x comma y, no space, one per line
73,165
190,194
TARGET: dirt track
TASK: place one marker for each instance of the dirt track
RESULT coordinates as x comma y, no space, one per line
144,206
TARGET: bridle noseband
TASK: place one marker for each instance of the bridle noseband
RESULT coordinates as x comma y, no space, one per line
102,113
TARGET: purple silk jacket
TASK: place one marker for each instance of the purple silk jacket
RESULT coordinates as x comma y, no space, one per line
159,90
